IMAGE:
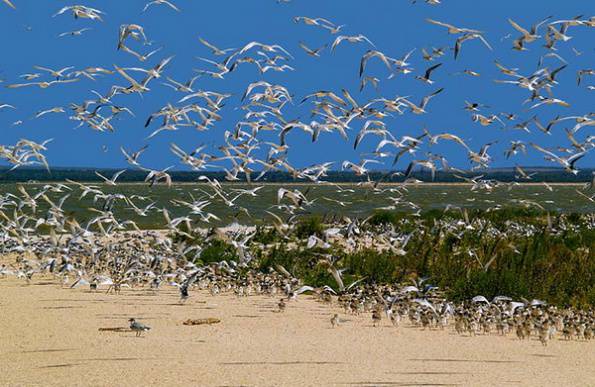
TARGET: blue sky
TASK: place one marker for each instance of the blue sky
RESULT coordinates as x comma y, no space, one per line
397,26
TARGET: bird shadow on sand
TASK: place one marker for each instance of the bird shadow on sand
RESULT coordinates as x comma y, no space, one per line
281,363
100,359
66,300
48,350
65,365
428,373
466,361
378,383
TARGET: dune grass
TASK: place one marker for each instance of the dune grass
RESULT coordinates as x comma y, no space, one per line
518,253
513,252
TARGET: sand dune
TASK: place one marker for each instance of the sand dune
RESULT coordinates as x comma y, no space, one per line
49,336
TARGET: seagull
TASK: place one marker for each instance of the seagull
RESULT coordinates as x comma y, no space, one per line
324,23
9,3
528,37
566,162
515,146
426,77
422,163
42,85
182,87
470,36
111,181
424,102
359,169
159,2
155,176
132,158
581,73
312,52
57,109
54,73
187,283
373,54
550,101
80,11
351,39
452,29
335,320
264,47
369,80
74,33
138,327
506,70
215,50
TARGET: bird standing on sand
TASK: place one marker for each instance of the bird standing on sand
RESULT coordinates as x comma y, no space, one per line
376,316
335,320
138,327
281,305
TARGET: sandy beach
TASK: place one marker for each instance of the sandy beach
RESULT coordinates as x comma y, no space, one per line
49,335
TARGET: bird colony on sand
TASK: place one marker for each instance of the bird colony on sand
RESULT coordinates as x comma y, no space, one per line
102,254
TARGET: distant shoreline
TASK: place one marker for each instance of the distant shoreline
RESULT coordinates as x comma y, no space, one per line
183,183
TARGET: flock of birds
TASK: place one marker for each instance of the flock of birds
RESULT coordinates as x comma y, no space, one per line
102,253
246,151
152,260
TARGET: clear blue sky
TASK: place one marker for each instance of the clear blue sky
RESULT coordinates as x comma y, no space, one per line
397,26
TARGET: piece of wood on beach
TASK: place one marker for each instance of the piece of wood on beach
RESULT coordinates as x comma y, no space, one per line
115,329
202,321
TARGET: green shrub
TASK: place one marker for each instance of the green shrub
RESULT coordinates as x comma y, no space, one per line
311,225
558,267
217,250
379,218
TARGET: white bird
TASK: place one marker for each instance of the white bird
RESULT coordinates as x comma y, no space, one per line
359,169
9,3
351,39
111,181
81,11
566,162
471,36
42,85
159,2
74,33
415,109
58,109
452,29
5,106
312,52
214,49
374,54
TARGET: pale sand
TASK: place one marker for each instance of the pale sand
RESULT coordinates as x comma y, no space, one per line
49,336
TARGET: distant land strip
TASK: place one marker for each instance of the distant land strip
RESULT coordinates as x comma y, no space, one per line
540,174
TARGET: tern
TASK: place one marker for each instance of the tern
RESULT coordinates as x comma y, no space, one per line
351,39
452,29
159,2
138,327
426,77
9,3
214,49
312,52
74,33
111,181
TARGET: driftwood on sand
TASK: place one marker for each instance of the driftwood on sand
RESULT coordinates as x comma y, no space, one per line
202,321
115,329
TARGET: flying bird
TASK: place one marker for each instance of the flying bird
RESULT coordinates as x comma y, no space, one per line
9,3
160,2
